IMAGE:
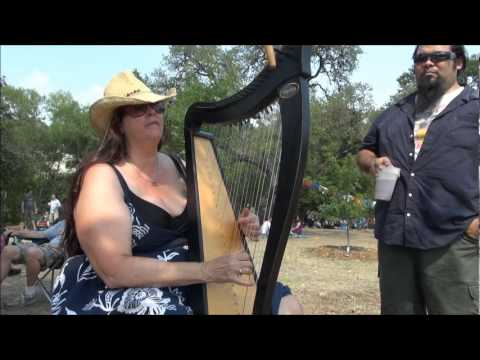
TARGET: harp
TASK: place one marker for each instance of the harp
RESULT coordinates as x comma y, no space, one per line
248,150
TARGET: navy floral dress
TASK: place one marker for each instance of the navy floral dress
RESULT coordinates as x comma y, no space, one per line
155,234
78,290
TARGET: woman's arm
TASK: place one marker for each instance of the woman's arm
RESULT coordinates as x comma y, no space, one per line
104,226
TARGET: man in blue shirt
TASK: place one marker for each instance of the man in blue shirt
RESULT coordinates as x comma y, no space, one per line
428,245
36,258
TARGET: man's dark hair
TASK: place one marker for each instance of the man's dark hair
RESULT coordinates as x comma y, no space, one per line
458,50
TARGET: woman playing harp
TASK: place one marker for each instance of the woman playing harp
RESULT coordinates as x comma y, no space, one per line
127,222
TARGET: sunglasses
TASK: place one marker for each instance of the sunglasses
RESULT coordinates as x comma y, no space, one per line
434,57
139,110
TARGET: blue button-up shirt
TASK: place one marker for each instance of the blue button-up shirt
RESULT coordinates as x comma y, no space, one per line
437,195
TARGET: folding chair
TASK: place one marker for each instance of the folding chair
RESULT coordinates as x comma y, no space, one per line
48,290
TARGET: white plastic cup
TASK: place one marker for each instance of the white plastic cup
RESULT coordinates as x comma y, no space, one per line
385,182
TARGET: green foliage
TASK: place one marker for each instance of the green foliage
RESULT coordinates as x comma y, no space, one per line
70,128
211,73
339,120
22,135
336,64
43,139
338,126
348,188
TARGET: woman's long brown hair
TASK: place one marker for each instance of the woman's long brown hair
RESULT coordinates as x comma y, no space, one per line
112,150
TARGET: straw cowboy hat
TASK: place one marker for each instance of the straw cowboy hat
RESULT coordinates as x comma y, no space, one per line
123,89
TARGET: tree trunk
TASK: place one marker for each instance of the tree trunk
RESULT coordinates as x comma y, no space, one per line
348,238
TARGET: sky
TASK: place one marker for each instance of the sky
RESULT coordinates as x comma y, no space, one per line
85,70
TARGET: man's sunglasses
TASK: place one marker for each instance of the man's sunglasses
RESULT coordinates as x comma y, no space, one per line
434,57
139,110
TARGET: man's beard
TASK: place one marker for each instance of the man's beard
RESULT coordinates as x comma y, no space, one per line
430,88
428,85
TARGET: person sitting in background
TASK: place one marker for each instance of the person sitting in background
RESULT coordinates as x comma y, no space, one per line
43,223
4,242
297,228
36,258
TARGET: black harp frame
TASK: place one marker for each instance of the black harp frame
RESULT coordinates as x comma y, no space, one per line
288,83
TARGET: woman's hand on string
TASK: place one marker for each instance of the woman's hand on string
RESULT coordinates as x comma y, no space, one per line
249,223
236,267
229,268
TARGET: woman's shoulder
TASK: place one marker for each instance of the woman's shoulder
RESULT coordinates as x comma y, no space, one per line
101,182
99,168
100,173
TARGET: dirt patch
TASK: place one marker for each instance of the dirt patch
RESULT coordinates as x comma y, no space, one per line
328,282
344,252
11,301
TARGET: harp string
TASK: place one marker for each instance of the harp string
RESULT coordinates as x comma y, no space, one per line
266,181
237,170
267,129
272,181
246,200
238,185
227,153
268,165
238,189
252,168
225,157
248,155
274,178
262,178
226,132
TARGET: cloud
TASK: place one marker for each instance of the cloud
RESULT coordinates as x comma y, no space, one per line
41,82
38,81
90,95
